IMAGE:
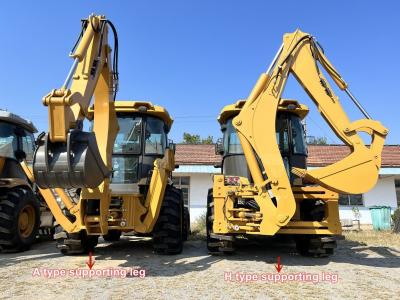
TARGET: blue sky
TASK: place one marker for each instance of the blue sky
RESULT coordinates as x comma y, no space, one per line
194,57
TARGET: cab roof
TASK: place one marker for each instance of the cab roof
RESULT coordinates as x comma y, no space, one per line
289,105
142,107
9,117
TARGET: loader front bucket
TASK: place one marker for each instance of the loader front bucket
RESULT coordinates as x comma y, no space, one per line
74,164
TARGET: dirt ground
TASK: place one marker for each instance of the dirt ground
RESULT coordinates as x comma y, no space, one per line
367,266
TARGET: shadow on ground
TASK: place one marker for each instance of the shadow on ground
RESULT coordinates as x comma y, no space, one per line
137,252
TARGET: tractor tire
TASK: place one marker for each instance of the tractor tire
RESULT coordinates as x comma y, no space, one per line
74,243
315,246
19,219
220,245
112,236
186,224
168,230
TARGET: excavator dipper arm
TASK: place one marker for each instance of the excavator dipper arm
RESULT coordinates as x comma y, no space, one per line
301,56
67,157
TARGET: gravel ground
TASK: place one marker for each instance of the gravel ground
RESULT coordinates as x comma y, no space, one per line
364,270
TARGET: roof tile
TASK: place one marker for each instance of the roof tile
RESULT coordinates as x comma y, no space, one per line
318,155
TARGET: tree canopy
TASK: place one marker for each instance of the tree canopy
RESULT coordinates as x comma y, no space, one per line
196,139
319,140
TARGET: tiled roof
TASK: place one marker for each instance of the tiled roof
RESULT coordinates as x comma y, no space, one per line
318,155
187,154
322,155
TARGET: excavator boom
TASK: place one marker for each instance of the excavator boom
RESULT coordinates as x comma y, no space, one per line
67,157
120,171
301,56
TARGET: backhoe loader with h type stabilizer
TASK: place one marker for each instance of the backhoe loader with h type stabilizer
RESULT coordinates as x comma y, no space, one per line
265,188
122,167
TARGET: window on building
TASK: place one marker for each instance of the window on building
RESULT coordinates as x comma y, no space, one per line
183,183
351,200
397,185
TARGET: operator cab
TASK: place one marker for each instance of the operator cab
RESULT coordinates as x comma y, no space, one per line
17,142
141,139
290,136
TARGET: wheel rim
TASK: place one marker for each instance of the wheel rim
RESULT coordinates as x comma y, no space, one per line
26,221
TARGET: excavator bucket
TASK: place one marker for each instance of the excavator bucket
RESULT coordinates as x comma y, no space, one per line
355,174
74,164
358,172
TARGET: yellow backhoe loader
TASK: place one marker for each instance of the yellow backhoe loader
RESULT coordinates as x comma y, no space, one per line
265,187
23,213
122,167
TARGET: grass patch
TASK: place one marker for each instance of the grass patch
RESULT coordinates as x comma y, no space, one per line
198,228
375,238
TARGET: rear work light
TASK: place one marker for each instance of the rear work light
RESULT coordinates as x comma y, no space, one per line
232,180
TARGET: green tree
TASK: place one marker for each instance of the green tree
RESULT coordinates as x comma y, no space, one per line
196,139
191,138
208,140
319,140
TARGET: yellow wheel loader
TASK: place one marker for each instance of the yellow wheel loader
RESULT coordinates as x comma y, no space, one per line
23,213
265,188
122,167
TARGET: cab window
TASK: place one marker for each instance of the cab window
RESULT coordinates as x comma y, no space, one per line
155,136
129,136
231,140
28,145
298,139
125,168
282,133
8,140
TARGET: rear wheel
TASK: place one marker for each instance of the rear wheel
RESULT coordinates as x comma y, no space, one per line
216,244
19,219
168,231
315,246
74,243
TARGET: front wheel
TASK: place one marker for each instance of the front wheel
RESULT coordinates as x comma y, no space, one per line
19,219
168,231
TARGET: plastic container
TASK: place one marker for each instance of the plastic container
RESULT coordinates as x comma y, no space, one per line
381,217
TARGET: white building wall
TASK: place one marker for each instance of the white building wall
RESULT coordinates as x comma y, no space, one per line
345,212
383,194
200,183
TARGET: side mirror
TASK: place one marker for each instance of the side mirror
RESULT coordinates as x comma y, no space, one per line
39,138
219,147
